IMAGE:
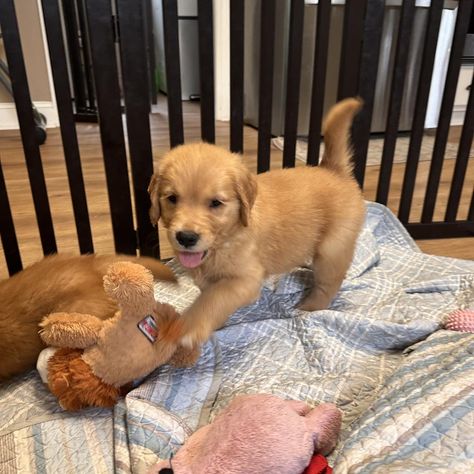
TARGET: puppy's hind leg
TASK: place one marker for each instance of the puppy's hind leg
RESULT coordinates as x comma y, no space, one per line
330,264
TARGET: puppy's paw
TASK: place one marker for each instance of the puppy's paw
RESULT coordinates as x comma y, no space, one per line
184,357
195,337
188,341
307,306
315,302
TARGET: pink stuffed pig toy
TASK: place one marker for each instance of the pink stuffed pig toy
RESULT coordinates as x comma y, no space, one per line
260,434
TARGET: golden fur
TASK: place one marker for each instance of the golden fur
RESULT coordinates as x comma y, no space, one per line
97,358
57,283
265,224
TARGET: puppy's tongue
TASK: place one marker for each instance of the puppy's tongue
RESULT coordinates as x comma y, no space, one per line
190,259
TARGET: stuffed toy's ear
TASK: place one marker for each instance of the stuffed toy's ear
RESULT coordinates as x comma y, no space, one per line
324,422
153,191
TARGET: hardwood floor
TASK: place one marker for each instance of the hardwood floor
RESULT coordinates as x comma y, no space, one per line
12,160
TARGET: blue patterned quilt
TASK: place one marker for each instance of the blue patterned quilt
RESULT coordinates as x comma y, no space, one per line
405,386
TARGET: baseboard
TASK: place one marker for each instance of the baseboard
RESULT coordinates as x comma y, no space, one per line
457,118
9,119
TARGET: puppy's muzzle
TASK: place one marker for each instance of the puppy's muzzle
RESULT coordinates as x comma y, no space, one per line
187,239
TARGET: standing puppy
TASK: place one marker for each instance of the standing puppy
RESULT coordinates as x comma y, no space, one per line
232,229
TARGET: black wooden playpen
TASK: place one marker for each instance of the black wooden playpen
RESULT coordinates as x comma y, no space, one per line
104,23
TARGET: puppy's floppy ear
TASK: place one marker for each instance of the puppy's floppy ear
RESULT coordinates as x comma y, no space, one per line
153,189
246,188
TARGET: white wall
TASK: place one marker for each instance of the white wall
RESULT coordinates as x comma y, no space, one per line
46,102
222,59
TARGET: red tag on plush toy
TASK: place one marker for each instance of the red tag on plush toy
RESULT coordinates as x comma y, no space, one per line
149,328
318,465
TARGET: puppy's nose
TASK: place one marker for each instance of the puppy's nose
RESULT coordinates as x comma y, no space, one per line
187,238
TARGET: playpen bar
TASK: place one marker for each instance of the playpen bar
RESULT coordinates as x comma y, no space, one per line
295,46
452,76
7,230
72,158
137,109
237,76
462,160
150,49
21,93
353,29
99,14
418,124
369,58
74,48
405,27
173,72
441,230
86,52
267,32
323,22
206,70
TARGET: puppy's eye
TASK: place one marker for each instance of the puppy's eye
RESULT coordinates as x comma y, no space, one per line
173,199
215,203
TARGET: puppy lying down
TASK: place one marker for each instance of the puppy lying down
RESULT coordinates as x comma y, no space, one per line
232,229
58,283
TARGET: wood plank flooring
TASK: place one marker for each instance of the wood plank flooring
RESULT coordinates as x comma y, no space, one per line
12,160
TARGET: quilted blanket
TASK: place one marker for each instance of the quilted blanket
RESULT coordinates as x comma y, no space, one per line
405,386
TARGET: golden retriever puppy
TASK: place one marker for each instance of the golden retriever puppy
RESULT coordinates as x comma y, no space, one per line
55,284
231,229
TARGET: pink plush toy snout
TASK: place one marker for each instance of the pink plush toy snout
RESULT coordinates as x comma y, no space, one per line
461,320
258,433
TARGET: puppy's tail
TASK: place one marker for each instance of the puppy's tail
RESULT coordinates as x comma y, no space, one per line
336,128
160,270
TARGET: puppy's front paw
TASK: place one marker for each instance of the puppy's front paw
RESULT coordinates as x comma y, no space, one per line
188,341
184,357
316,301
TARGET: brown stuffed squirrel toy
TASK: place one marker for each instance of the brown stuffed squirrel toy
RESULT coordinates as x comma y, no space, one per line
91,362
